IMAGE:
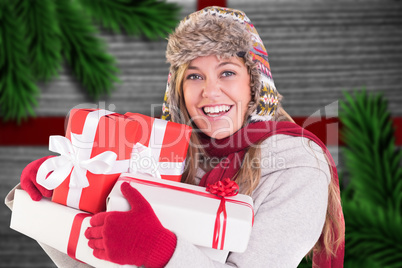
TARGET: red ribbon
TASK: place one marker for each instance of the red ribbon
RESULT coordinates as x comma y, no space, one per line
222,188
221,208
217,228
75,234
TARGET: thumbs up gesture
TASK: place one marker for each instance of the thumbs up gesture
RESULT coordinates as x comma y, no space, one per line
131,237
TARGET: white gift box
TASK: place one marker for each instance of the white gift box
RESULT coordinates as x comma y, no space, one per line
57,226
192,213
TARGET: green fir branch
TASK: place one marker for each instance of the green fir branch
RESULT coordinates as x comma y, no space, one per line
84,51
42,36
17,91
33,42
372,199
370,154
373,234
352,261
152,18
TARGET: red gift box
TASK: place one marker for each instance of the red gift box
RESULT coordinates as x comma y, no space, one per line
99,145
96,149
163,147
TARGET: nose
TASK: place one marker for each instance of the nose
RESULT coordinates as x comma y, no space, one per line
211,89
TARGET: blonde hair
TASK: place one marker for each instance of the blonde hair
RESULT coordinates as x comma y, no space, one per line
249,174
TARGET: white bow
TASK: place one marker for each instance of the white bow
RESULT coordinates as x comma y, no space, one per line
142,161
70,159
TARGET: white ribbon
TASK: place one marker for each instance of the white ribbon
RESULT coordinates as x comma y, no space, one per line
68,160
145,159
142,161
75,157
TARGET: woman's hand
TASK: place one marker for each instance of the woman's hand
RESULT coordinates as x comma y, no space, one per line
132,237
28,180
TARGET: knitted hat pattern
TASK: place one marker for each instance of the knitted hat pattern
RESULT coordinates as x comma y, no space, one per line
223,32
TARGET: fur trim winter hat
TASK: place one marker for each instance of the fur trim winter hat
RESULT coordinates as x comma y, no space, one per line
226,33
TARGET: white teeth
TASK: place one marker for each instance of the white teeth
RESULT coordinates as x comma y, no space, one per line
216,109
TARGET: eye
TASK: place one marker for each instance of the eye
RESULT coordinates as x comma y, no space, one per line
228,74
193,77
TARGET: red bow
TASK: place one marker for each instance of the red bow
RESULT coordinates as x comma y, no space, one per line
223,188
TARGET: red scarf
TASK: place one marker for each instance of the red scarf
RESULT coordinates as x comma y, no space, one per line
233,148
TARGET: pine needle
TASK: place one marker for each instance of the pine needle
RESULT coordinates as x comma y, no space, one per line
18,94
370,153
373,233
34,35
152,18
42,36
85,52
372,200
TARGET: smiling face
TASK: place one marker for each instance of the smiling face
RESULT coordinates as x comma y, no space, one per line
217,94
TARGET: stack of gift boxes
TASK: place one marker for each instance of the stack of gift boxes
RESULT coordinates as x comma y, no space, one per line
99,152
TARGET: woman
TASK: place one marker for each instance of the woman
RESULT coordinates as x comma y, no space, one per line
220,83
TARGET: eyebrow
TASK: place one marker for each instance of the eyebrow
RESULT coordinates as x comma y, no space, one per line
191,67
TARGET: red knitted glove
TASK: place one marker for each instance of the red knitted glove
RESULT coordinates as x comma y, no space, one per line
28,180
132,237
